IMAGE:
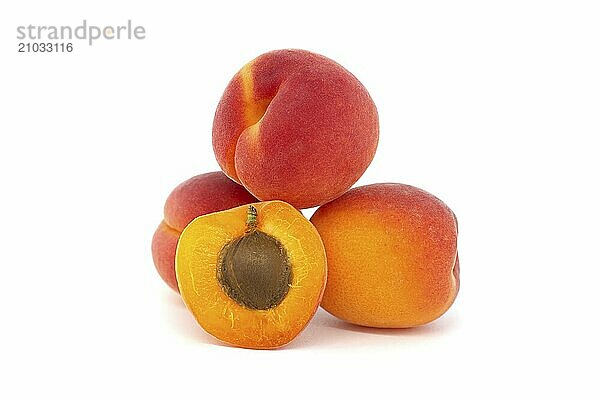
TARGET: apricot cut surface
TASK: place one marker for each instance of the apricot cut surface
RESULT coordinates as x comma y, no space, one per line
392,256
252,282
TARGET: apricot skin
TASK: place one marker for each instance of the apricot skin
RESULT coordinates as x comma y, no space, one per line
295,126
199,195
392,256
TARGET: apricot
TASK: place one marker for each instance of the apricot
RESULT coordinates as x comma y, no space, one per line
252,276
392,256
199,195
295,126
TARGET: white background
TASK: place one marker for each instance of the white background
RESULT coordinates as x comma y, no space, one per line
492,106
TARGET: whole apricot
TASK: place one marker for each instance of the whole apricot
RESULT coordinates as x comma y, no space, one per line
295,126
392,256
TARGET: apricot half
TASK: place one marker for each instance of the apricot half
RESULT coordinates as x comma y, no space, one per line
392,256
252,276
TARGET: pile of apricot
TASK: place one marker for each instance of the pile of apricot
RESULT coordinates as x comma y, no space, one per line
296,130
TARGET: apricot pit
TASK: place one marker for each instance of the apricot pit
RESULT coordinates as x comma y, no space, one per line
254,269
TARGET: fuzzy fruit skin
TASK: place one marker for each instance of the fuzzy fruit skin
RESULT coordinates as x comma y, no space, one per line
199,195
295,126
392,256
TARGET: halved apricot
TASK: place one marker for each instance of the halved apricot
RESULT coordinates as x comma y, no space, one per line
252,276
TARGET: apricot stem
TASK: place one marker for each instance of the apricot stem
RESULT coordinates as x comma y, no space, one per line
251,219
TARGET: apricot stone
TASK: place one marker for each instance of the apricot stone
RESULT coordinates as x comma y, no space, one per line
295,126
202,194
252,276
392,256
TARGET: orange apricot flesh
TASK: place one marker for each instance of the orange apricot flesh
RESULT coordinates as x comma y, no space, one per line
252,281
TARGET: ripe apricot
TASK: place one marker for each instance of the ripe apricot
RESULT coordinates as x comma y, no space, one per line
199,195
392,256
295,126
252,276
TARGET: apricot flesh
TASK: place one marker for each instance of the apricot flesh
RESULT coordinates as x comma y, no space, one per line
295,126
392,256
252,284
199,195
